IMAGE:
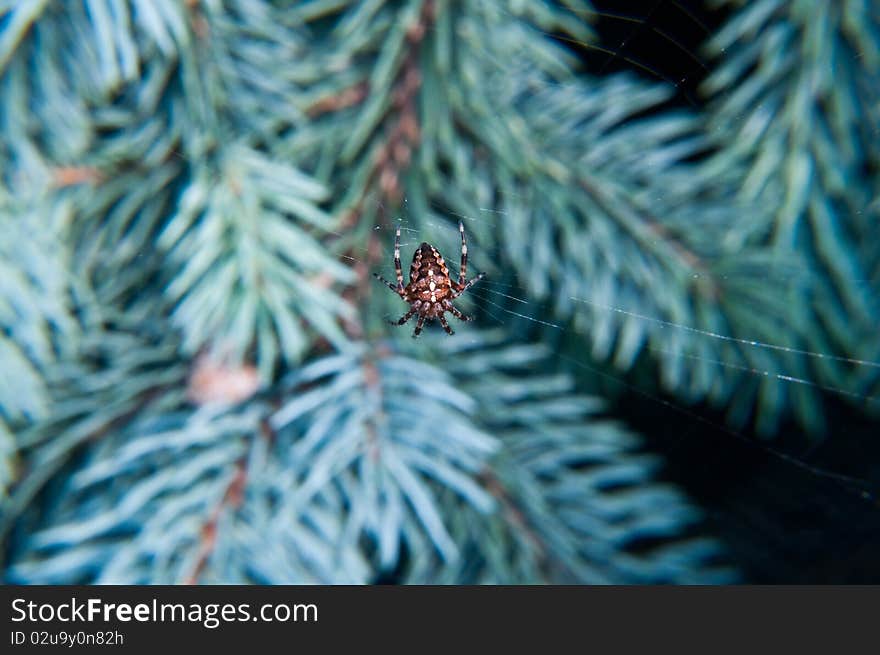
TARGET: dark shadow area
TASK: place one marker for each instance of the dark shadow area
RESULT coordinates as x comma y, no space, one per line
782,522
659,40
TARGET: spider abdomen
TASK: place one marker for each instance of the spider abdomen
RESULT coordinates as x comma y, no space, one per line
428,277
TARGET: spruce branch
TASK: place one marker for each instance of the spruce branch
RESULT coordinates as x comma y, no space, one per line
577,499
371,462
89,400
401,428
793,114
93,51
38,326
249,276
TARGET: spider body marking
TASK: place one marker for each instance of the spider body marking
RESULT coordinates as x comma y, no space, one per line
431,289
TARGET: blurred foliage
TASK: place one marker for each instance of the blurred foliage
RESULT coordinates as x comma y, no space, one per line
198,380
795,104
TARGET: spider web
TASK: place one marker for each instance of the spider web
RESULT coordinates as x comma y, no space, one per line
488,296
830,471
702,451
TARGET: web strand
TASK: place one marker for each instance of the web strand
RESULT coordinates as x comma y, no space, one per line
853,485
723,337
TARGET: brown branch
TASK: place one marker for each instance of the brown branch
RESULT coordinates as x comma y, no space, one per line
395,154
198,23
513,514
266,431
392,157
373,383
232,498
348,97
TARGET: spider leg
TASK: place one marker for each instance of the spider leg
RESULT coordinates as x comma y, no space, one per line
462,269
393,287
457,313
403,319
469,284
419,325
397,269
445,325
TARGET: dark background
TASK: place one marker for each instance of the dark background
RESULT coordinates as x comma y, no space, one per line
782,515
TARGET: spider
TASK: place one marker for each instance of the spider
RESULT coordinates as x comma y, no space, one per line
430,291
